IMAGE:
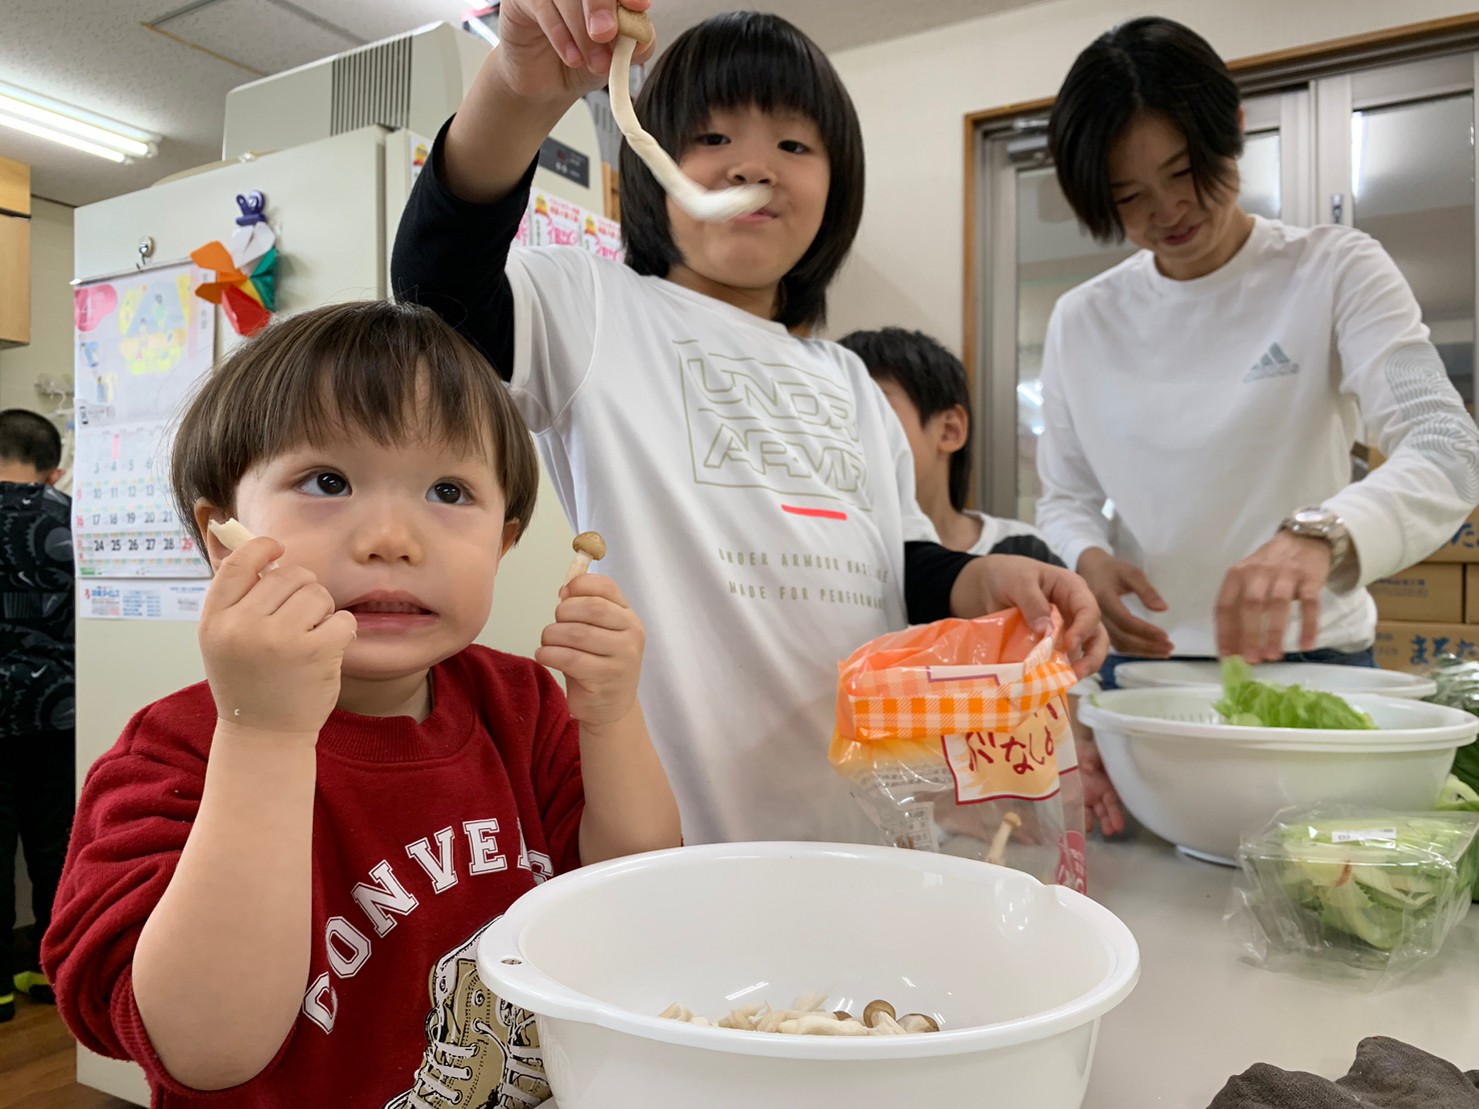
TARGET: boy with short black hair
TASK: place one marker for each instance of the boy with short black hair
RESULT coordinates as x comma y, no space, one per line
926,385
278,872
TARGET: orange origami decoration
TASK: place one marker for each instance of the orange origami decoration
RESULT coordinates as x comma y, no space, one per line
246,272
246,298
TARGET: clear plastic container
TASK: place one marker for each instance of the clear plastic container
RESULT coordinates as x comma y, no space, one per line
1371,889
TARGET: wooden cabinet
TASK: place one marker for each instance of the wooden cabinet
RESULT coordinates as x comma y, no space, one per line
15,253
15,188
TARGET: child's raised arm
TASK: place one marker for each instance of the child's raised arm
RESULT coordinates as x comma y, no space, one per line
550,53
596,641
222,961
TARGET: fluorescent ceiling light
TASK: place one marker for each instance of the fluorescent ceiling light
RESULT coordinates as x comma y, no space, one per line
81,130
61,137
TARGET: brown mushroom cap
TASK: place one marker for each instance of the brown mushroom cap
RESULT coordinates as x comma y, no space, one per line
878,1006
591,543
635,25
918,1022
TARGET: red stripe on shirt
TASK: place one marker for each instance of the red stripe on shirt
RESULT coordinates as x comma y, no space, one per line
823,513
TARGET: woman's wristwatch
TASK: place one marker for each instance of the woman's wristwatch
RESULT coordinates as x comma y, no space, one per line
1318,522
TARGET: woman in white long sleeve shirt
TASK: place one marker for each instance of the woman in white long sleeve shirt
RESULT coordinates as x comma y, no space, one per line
1212,385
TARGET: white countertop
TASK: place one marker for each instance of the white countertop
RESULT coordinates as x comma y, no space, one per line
1201,1015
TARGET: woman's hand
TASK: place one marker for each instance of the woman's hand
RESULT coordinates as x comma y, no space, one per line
272,642
997,582
554,47
596,641
1112,578
1259,592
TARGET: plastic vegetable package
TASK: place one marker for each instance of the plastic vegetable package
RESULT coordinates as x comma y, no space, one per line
1370,889
955,738
1458,687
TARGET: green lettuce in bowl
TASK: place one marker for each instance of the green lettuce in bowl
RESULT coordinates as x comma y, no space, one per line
1250,703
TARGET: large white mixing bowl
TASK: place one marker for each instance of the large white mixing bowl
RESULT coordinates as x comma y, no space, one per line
1155,673
1202,784
1017,973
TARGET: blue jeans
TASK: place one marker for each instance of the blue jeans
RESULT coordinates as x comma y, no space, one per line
1326,655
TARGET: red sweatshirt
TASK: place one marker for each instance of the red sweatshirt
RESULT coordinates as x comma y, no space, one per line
422,835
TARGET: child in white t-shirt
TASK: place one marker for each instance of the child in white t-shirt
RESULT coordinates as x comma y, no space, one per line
757,490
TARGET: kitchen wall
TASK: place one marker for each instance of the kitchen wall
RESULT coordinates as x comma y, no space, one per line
50,350
913,93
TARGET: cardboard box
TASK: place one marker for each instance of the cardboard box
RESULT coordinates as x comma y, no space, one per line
1471,594
1415,645
1432,592
1464,546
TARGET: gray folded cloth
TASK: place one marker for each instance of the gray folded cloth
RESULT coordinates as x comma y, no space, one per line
1387,1074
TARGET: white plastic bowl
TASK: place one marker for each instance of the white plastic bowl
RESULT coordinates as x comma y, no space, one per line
1152,674
1202,784
1017,973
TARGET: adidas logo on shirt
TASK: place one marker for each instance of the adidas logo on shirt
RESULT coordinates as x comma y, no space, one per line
1274,363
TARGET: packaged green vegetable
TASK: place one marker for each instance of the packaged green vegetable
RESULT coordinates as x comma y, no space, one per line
1458,687
1458,796
1251,703
1360,886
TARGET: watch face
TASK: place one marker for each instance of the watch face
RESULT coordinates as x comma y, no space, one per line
1314,517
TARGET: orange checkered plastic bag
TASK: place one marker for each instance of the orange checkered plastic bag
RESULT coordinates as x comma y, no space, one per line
955,738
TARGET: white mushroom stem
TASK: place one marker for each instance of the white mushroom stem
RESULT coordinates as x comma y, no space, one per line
886,1025
231,533
693,198
588,547
807,1017
822,1024
998,852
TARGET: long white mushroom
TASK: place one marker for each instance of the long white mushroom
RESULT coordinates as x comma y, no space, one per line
693,198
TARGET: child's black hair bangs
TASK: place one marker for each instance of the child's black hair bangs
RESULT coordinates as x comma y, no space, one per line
382,373
1147,66
738,60
741,63
392,372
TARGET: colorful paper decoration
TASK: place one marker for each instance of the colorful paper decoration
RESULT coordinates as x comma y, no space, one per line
246,274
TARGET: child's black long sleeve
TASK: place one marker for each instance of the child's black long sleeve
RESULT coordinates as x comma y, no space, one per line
450,254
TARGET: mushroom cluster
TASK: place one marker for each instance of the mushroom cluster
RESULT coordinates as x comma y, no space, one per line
808,1017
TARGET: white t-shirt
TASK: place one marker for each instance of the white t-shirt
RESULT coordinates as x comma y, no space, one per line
1208,410
755,491
996,528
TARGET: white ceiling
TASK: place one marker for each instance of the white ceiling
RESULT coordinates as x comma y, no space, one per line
133,60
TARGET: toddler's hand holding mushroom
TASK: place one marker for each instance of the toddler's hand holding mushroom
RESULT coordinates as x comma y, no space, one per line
596,641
